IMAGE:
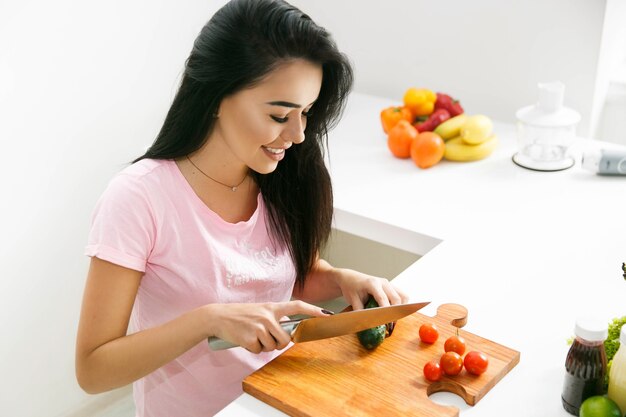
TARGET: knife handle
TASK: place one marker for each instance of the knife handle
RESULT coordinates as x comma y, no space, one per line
215,343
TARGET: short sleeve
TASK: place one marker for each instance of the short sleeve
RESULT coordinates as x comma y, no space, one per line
123,224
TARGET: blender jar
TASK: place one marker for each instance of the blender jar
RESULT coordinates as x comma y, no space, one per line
546,130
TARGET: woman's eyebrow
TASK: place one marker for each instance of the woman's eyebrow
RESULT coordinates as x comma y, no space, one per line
286,104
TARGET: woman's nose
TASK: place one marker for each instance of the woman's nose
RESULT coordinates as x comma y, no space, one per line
295,131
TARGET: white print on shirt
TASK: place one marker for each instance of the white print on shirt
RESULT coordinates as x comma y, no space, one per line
255,266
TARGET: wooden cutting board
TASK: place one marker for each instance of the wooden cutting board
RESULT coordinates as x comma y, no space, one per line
338,377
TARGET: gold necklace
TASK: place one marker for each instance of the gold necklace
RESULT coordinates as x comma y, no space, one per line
233,188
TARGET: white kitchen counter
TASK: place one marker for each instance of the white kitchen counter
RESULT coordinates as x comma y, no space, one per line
526,252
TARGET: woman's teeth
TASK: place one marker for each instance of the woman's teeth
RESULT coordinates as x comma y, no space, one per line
274,150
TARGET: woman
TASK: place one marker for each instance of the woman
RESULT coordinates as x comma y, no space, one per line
219,224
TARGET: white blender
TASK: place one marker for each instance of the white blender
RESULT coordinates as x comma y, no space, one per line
546,130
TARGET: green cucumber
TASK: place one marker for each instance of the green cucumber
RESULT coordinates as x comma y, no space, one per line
374,337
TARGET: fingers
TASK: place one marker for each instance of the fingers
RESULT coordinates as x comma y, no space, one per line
267,337
298,307
356,302
268,334
386,294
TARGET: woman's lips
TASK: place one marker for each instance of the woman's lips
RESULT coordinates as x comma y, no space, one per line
274,153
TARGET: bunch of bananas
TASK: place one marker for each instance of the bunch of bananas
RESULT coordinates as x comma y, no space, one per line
467,138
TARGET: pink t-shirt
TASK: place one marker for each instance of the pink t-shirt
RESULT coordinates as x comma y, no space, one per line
149,219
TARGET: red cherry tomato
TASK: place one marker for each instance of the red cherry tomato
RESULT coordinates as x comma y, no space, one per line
476,362
429,333
455,344
432,371
451,363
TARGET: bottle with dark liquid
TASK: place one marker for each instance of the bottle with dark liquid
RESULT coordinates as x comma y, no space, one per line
585,366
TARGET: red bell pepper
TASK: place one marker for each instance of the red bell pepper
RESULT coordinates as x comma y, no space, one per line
453,106
435,119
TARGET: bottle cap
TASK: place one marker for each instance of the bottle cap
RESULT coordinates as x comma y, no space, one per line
591,329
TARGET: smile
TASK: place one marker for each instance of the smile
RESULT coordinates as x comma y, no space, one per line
275,151
275,154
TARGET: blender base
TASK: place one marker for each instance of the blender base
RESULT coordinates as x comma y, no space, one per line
548,166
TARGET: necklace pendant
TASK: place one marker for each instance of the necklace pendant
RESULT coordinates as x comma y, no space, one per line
233,189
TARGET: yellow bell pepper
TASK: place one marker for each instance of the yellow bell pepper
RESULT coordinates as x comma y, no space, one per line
420,101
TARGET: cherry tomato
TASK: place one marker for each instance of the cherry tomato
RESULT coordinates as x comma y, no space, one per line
451,363
455,344
429,333
432,371
476,362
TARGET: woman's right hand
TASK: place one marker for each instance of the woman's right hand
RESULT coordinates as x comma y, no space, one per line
255,326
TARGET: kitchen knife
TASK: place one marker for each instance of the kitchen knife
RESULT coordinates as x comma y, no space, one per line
315,328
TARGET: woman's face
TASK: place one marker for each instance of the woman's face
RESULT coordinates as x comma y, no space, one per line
258,125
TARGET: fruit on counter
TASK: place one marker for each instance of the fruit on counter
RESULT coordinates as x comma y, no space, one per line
427,149
431,122
453,106
451,128
451,363
599,406
390,116
458,150
476,362
432,371
420,101
455,344
400,138
466,137
372,338
476,129
429,333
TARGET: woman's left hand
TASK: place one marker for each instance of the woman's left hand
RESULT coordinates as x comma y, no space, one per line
356,288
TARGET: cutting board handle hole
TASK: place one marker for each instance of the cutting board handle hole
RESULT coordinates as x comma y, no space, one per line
444,394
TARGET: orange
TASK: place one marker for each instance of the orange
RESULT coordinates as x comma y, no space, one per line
400,138
427,149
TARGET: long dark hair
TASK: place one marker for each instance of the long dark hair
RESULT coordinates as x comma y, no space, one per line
243,42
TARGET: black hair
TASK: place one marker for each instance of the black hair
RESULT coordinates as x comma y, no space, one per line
241,44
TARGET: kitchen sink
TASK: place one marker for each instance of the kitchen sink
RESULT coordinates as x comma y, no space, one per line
347,250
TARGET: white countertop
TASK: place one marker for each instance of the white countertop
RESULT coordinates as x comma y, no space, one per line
526,252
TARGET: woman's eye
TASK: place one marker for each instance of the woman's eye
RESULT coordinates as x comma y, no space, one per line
285,119
280,119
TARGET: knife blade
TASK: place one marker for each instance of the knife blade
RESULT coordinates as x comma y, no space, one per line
316,328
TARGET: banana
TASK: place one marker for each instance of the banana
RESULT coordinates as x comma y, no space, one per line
458,150
476,129
451,127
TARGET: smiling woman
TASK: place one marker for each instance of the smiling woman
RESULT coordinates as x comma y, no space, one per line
220,223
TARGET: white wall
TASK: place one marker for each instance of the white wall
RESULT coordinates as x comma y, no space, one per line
608,118
489,53
84,87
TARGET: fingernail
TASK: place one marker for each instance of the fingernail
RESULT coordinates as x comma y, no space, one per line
330,313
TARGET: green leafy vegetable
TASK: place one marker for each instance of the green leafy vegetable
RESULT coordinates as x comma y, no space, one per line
611,344
612,341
